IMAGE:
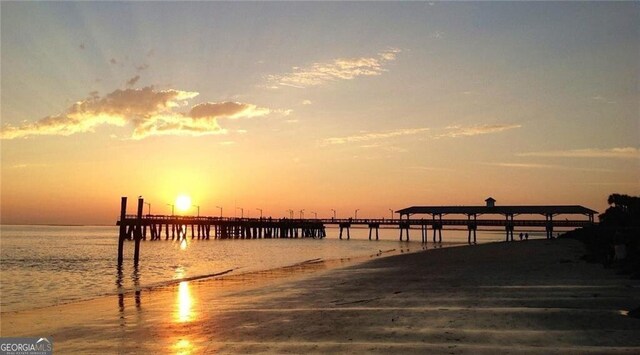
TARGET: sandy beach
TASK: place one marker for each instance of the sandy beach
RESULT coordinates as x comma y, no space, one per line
533,297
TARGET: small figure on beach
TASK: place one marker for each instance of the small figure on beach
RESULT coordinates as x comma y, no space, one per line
521,235
526,236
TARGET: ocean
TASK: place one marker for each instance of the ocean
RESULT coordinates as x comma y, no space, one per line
42,266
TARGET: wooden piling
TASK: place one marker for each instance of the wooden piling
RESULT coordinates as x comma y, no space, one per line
137,236
123,229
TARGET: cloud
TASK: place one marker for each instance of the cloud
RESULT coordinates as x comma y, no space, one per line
459,131
603,99
306,102
523,165
25,166
545,166
147,110
338,69
374,135
621,153
131,82
632,183
229,109
142,67
113,61
81,45
430,168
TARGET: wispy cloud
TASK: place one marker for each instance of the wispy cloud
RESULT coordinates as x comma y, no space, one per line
621,153
632,183
142,67
149,111
26,166
231,110
545,166
338,69
437,35
131,82
384,147
374,135
523,165
430,168
460,131
602,99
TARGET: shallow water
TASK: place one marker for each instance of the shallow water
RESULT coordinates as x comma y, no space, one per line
48,265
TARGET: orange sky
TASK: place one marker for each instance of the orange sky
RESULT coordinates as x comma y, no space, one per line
315,106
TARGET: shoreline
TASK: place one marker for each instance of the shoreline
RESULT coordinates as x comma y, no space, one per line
535,296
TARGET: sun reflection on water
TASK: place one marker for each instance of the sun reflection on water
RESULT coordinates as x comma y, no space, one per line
184,303
183,244
183,346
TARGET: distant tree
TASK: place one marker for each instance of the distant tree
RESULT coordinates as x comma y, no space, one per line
624,211
619,225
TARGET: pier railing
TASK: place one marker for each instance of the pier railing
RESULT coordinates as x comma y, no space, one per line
159,219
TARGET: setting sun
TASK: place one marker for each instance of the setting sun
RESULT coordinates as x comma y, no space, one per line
183,203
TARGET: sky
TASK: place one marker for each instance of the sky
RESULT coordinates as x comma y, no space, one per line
314,106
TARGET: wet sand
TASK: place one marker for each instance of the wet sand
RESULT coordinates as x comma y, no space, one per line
532,297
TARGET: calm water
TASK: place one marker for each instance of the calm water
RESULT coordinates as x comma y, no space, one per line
45,265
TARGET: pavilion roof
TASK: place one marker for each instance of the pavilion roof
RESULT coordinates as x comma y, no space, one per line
543,210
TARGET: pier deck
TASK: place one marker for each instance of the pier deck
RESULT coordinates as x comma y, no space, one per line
138,227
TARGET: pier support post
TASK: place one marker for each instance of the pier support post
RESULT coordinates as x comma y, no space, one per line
373,226
549,226
137,234
472,234
404,226
123,229
472,226
346,226
437,228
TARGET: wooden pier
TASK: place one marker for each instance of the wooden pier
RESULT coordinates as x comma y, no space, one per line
140,227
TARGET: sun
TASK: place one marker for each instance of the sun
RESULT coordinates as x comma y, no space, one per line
183,203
